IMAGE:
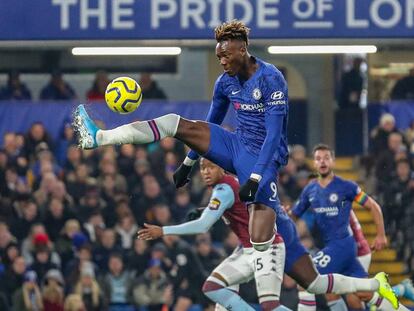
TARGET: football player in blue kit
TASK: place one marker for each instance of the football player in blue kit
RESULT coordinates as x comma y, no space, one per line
330,198
254,152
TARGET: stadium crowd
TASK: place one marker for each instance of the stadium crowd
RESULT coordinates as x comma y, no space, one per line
68,220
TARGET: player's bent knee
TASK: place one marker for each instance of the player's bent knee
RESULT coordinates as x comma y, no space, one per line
213,283
263,246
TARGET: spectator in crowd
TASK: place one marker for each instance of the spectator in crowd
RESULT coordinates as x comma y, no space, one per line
79,182
57,88
182,205
185,270
298,155
404,88
409,136
14,153
65,141
139,255
74,302
150,88
15,89
151,195
351,86
53,291
11,252
56,216
42,261
97,92
126,159
385,166
108,244
209,256
29,216
28,297
89,289
37,134
13,278
117,283
399,193
94,226
126,228
64,244
152,289
6,238
379,135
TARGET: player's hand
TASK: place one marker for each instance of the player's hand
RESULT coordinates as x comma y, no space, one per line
379,243
150,232
194,213
247,192
180,176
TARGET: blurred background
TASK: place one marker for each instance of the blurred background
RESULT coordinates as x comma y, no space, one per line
71,215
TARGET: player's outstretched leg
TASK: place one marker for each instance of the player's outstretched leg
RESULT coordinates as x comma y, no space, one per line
304,272
196,134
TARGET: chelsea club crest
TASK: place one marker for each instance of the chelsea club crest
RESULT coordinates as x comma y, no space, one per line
257,94
333,197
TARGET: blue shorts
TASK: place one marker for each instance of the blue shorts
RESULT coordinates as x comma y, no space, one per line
294,249
227,151
340,256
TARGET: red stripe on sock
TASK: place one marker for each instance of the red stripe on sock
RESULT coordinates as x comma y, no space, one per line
209,286
270,305
307,302
330,283
154,129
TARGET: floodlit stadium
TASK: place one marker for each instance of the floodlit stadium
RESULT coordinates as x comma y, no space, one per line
206,155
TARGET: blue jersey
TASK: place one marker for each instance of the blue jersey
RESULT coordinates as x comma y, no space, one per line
260,104
331,205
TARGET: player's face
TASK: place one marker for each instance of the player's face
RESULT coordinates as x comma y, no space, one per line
210,172
231,55
323,162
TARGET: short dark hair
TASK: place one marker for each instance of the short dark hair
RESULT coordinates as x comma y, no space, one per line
323,147
233,30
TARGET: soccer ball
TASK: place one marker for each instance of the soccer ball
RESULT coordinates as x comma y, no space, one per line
123,95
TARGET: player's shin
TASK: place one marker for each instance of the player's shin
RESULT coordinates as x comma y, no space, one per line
307,301
216,290
269,266
140,132
340,284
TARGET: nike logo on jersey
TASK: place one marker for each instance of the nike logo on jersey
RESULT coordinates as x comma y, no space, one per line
235,92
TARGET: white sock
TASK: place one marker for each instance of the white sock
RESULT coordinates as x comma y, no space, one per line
337,305
141,132
307,301
340,284
384,305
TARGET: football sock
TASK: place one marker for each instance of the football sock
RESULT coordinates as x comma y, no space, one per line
337,305
225,297
340,284
307,301
383,304
141,132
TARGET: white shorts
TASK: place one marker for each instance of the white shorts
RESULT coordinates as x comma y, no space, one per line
242,266
365,261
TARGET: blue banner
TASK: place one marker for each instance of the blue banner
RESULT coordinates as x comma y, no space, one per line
19,116
195,19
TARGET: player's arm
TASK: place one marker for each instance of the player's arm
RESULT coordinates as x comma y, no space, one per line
301,205
221,199
218,110
275,102
367,202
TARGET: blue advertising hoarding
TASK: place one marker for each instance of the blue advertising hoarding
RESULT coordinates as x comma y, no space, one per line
195,19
